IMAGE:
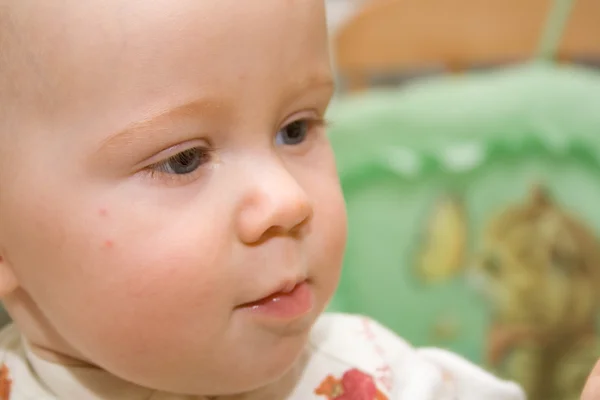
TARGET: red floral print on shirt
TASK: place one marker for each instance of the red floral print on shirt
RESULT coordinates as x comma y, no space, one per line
5,383
354,385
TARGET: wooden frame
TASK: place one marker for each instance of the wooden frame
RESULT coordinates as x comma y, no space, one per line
406,35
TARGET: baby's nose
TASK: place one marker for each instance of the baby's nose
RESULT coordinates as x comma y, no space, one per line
274,204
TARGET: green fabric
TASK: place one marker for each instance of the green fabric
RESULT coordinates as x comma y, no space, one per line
484,136
554,106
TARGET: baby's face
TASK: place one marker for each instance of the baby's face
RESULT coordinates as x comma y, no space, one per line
169,169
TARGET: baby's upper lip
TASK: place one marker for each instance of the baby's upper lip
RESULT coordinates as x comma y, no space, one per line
283,286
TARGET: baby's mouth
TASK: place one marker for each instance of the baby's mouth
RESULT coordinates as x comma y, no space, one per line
289,302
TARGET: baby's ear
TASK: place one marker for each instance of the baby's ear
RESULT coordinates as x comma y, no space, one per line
8,280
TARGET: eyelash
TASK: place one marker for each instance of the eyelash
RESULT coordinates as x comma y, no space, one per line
161,170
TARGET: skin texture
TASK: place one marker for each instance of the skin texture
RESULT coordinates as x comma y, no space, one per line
592,387
110,259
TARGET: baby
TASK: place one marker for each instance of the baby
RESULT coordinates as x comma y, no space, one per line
178,227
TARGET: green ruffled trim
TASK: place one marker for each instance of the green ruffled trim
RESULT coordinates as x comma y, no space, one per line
409,165
455,126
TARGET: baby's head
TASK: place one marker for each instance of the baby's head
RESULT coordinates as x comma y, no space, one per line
163,166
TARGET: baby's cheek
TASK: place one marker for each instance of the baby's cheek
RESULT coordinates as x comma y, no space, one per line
163,277
329,239
147,263
155,294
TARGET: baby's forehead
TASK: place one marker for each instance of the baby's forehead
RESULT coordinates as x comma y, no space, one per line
79,51
21,34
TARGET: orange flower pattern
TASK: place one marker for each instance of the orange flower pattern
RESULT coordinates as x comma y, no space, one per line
5,383
354,385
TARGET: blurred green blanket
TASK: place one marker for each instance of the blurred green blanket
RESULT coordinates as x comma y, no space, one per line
483,138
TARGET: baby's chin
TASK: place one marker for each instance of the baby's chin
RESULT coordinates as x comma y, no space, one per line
246,370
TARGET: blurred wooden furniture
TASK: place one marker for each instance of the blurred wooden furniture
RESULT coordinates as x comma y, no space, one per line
581,37
387,36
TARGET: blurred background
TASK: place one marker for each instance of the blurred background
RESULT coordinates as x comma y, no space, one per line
468,141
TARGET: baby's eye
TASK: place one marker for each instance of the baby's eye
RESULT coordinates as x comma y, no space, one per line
183,163
293,133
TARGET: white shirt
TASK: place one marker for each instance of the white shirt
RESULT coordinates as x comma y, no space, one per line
350,358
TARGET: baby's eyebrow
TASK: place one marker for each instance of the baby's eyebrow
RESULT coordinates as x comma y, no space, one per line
321,80
149,131
205,108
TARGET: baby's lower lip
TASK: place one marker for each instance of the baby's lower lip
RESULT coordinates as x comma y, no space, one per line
284,306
